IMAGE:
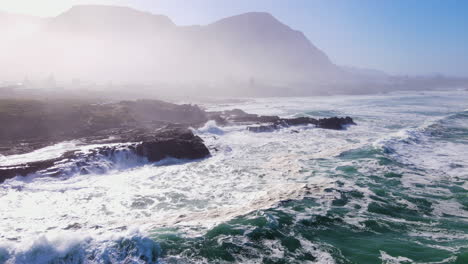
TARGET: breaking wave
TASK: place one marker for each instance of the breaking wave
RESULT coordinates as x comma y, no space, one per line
392,190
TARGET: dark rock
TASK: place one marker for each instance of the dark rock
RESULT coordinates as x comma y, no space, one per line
274,122
300,121
263,128
268,119
244,118
74,226
176,143
7,172
335,122
155,110
150,129
255,118
154,145
41,123
239,116
235,112
327,123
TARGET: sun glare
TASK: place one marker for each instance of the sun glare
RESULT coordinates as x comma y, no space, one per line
34,7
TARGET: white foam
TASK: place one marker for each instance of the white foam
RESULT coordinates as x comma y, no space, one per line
49,152
212,128
388,259
82,247
247,172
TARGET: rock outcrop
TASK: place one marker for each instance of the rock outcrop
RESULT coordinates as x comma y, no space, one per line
24,169
35,124
178,143
148,145
261,123
145,130
335,122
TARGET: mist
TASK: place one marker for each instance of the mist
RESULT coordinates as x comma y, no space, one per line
108,47
128,138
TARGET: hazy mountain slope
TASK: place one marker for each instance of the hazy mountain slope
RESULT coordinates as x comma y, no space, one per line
109,20
13,24
274,49
121,44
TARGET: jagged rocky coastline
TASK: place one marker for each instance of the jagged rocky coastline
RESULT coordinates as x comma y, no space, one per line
148,130
259,123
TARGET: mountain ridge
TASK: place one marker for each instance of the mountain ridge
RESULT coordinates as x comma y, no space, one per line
111,41
251,53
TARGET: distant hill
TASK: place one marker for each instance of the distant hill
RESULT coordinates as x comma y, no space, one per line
107,39
243,53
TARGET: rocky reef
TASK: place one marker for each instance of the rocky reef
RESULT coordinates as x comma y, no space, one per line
259,123
143,144
31,124
147,130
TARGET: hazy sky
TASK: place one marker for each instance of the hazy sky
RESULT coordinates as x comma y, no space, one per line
397,36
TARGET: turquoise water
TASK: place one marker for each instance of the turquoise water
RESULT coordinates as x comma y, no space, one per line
391,190
392,222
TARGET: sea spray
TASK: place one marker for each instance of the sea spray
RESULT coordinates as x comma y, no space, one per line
316,196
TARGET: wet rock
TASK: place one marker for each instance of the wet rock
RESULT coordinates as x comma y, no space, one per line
74,226
29,124
327,123
335,122
300,121
177,143
153,145
271,123
263,128
10,171
239,116
150,129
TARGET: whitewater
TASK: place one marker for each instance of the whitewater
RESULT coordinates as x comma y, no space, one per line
392,189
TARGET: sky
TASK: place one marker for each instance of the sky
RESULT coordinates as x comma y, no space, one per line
411,37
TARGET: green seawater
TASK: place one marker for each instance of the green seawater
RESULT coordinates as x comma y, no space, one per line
393,189
385,209
390,220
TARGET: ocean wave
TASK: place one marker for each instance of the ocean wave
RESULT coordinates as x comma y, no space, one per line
49,152
406,135
388,259
438,145
71,248
210,127
415,135
90,159
280,195
119,190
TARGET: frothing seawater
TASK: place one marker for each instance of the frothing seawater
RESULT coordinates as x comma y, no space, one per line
392,189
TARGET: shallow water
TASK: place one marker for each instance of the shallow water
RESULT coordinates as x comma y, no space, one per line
392,189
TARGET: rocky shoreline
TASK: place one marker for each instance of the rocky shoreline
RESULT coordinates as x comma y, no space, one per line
258,123
150,146
147,129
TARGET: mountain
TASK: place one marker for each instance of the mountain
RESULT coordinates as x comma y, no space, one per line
89,19
247,54
122,44
261,40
